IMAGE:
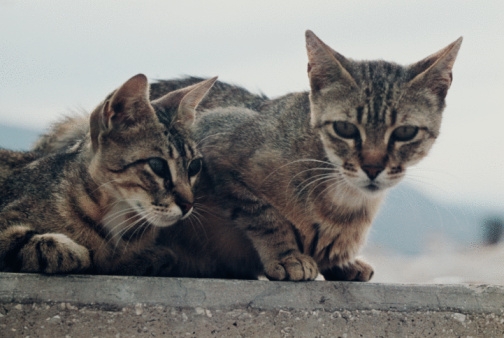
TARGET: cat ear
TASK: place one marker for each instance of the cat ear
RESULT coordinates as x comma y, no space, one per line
325,66
435,71
187,100
128,105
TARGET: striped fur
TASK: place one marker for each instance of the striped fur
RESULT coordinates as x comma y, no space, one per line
12,161
97,204
304,175
281,193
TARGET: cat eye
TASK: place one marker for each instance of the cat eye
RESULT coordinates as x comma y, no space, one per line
159,167
194,167
345,129
404,133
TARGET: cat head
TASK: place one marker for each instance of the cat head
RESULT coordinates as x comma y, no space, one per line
143,154
376,118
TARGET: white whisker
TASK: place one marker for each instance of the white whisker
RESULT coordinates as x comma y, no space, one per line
335,183
202,227
305,160
213,135
202,208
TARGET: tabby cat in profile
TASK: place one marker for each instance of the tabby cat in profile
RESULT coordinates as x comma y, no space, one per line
98,206
303,175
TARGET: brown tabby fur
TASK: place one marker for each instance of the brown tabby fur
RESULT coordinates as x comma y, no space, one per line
304,175
99,205
11,161
290,186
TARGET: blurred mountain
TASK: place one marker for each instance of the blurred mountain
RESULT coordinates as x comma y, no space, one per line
409,221
17,138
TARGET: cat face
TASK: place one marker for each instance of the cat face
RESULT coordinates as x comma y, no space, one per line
376,118
154,176
144,155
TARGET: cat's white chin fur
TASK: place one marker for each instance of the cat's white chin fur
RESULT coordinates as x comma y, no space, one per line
165,217
376,186
372,188
125,215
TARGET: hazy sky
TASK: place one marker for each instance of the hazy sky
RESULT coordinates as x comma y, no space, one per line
61,56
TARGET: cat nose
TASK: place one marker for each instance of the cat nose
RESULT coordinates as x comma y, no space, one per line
184,204
184,198
185,207
372,171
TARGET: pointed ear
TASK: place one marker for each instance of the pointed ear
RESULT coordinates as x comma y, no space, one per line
186,100
128,105
435,71
325,66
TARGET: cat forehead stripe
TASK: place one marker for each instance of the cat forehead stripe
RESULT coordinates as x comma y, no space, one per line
177,141
382,82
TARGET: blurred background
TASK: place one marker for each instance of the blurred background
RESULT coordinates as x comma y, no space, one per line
443,224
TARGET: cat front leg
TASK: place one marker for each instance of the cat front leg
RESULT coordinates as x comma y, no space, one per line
356,271
156,260
24,250
273,238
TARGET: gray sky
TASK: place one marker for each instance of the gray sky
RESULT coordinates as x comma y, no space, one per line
62,56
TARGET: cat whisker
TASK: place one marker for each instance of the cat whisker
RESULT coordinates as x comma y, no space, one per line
310,169
306,160
314,179
122,227
327,181
145,226
103,184
195,216
334,184
209,136
202,208
110,217
332,181
309,181
420,180
138,227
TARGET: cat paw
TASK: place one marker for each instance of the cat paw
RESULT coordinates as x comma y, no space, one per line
160,261
53,253
295,267
356,271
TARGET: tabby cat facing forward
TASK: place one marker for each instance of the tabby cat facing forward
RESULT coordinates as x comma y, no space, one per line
99,205
304,175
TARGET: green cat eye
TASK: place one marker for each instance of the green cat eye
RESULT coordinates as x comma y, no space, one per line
404,133
159,167
345,129
194,167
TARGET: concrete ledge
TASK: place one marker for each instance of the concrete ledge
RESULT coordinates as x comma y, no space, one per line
262,295
79,305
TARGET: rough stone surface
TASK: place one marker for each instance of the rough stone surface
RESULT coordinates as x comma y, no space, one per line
103,306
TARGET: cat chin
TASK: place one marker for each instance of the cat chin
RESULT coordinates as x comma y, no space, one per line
372,191
163,221
160,218
375,189
187,214
372,188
